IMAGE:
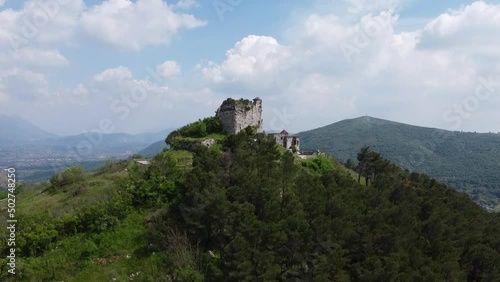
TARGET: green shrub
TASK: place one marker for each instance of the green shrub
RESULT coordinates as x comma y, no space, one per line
68,176
199,129
214,126
319,165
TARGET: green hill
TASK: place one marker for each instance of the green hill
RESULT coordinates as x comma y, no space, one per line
466,161
247,210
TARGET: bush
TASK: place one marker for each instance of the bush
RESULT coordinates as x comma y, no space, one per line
199,129
136,156
66,177
214,126
319,165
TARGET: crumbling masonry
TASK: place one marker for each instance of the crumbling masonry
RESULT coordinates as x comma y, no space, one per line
236,115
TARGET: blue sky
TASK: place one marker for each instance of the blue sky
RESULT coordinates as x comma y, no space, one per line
313,63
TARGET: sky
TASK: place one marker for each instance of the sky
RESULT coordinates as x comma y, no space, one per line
72,66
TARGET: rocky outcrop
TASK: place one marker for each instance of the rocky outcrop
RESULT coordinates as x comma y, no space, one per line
236,115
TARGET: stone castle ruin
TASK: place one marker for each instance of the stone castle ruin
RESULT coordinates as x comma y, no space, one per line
236,115
288,141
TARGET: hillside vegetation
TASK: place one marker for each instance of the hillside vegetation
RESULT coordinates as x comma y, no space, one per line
245,210
466,161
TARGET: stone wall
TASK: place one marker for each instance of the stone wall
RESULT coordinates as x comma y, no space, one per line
236,115
285,140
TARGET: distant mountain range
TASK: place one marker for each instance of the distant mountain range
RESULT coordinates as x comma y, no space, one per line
467,161
15,129
37,153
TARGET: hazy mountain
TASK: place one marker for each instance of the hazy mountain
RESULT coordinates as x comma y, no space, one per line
468,161
38,154
15,129
116,142
153,149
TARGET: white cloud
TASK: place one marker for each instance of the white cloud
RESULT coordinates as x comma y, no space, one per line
252,56
115,74
22,84
368,6
168,69
134,25
118,23
129,102
187,4
2,2
405,76
472,29
79,95
412,76
40,22
33,57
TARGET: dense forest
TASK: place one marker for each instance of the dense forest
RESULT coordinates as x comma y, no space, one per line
247,210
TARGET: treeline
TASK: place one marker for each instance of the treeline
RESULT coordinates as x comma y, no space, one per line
258,215
248,212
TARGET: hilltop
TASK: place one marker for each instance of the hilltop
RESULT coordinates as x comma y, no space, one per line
464,160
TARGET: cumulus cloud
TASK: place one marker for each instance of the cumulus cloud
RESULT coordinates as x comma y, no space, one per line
22,84
33,57
329,68
40,22
115,74
128,101
470,29
367,6
187,4
133,25
168,69
118,23
253,56
332,69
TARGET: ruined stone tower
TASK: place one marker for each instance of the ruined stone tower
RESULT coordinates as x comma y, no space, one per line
236,115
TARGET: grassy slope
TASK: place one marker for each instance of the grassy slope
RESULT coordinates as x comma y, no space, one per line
467,161
82,257
112,254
